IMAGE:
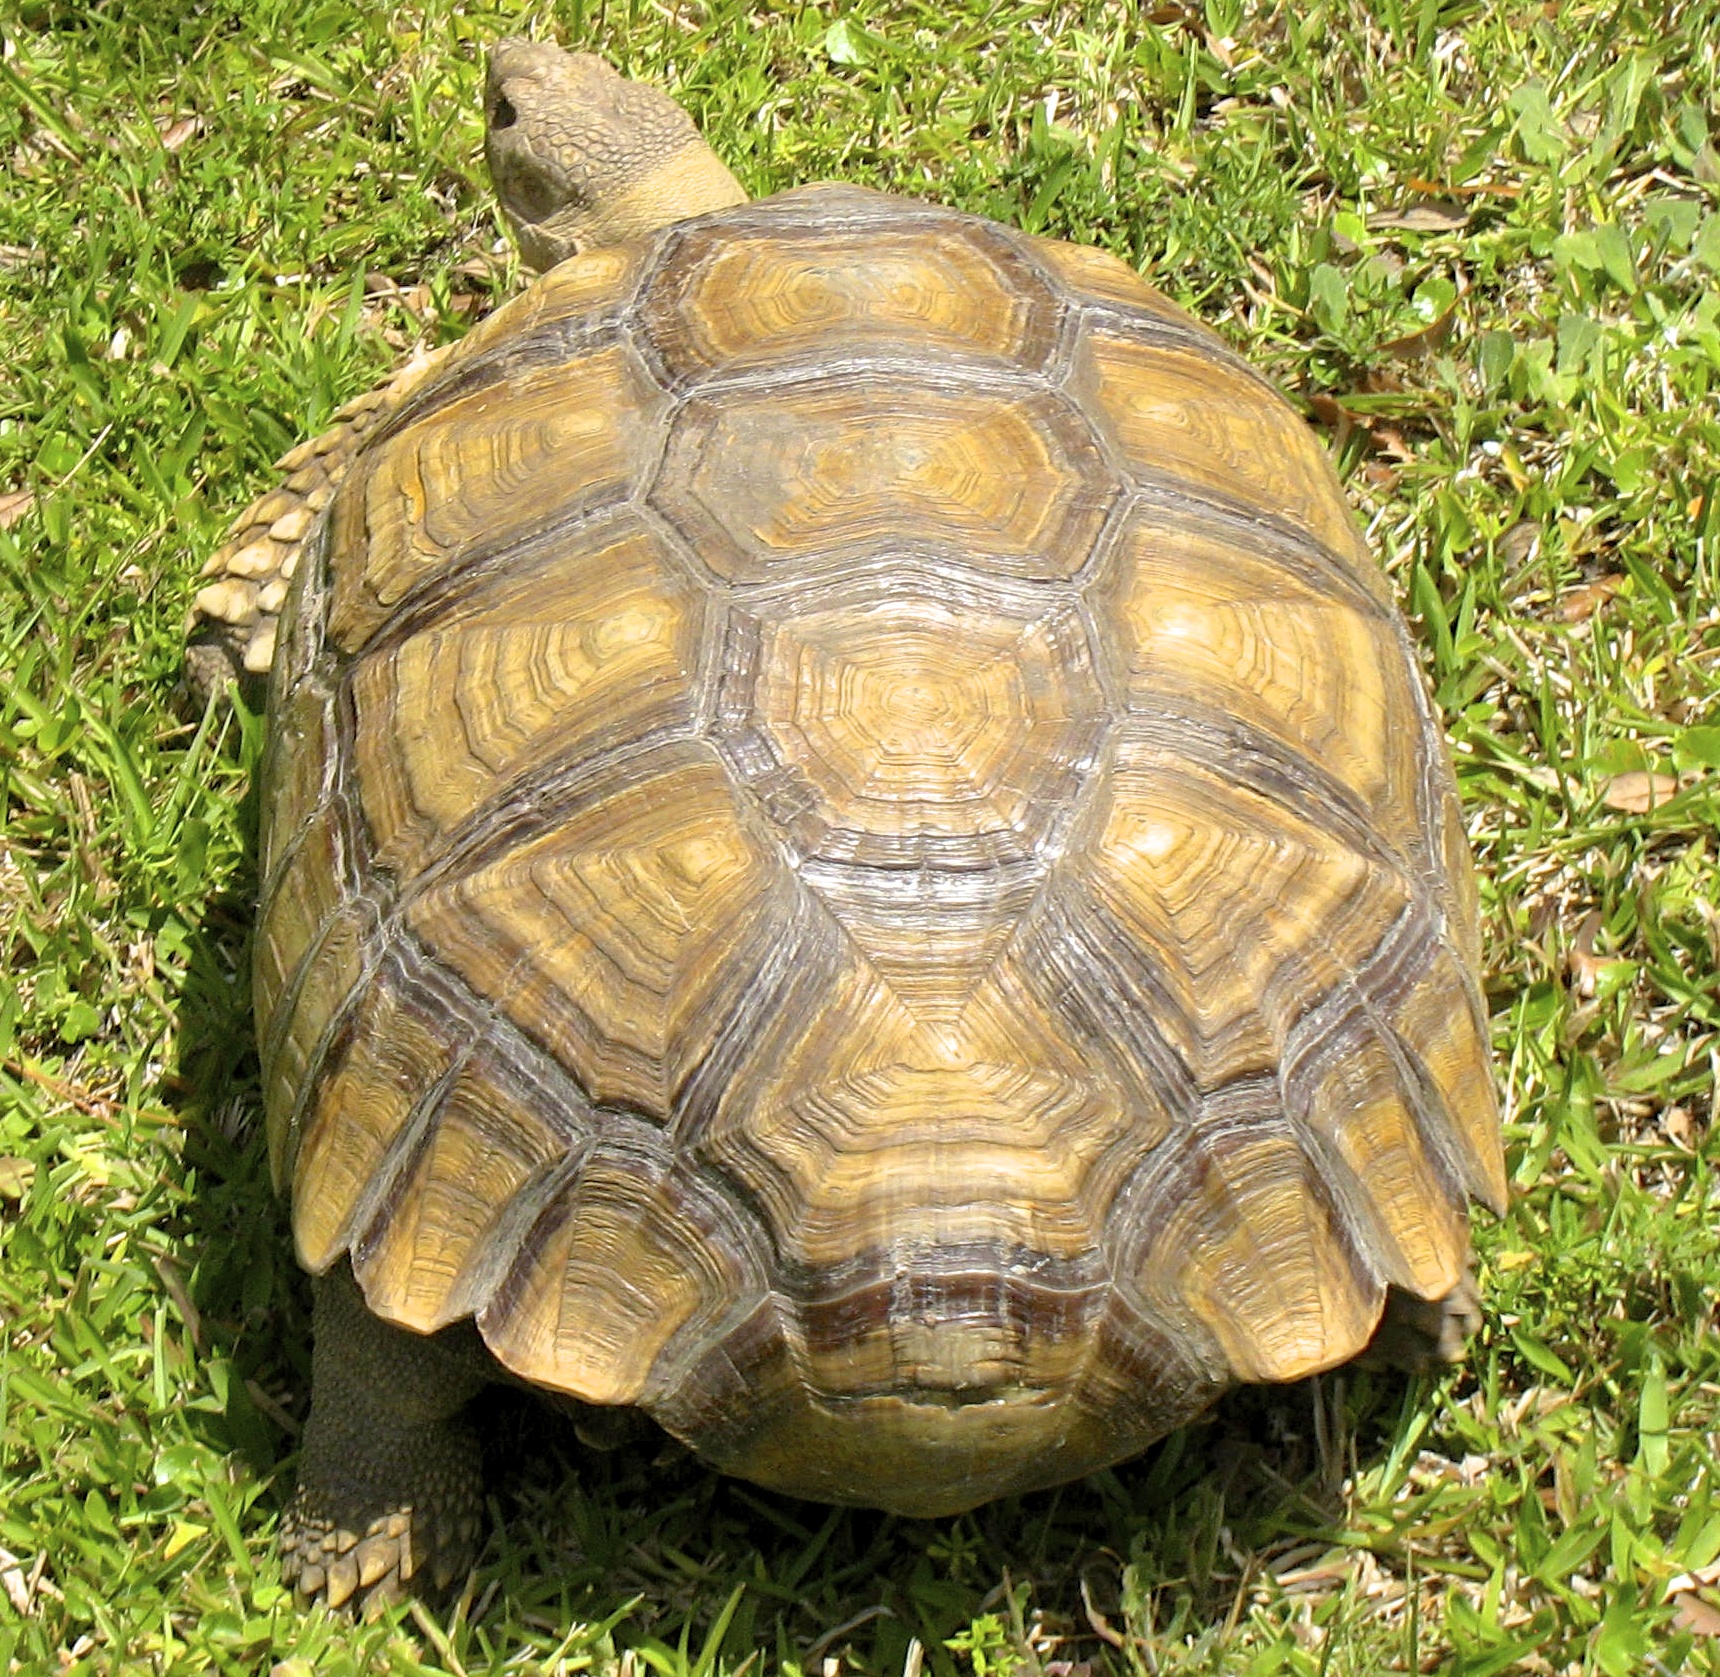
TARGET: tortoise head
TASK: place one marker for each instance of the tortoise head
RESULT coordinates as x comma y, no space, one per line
582,157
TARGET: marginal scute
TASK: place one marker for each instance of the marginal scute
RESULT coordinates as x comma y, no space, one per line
587,648
1350,1097
502,465
326,980
1235,1231
581,291
622,934
628,1258
311,886
1454,869
496,1138
767,482
1439,1024
924,1460
301,743
406,1032
1098,276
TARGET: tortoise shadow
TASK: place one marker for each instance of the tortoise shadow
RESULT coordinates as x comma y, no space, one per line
1165,1545
245,1304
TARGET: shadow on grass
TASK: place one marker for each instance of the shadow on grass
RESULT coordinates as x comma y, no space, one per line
1166,1546
244,1298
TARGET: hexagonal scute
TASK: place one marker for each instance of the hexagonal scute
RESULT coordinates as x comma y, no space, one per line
1244,913
1223,618
897,731
766,483
881,1135
1206,425
828,272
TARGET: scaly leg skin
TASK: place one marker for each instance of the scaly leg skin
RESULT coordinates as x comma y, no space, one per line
230,631
390,1489
1418,1335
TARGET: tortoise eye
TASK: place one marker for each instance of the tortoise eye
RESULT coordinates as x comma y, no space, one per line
502,113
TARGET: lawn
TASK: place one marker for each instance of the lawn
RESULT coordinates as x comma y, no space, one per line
1479,244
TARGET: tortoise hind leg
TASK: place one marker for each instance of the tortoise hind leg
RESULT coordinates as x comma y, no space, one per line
390,1486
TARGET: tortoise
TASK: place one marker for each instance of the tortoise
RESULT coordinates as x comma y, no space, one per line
856,857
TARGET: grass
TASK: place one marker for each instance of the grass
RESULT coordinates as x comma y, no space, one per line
1481,244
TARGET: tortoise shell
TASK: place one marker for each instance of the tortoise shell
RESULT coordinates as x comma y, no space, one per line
857,856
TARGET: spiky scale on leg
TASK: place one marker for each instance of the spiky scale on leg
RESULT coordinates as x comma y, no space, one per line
230,629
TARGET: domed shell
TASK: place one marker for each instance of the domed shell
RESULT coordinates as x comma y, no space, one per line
857,856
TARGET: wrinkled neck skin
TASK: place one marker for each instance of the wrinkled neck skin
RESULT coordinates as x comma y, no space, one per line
690,183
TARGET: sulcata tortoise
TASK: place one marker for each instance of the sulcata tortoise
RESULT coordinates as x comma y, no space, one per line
855,857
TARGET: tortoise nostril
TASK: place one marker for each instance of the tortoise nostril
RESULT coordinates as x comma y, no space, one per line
502,113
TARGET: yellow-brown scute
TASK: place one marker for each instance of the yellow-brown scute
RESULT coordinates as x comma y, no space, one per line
914,729
857,858
773,484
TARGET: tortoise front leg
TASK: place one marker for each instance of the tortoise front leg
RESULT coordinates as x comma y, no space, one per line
390,1487
231,627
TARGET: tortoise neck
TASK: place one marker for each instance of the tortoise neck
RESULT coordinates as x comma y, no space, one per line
693,181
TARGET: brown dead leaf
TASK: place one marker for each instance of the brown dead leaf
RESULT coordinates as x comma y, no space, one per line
1470,189
1423,215
482,269
1695,1615
1412,346
1169,14
1638,792
1680,1131
176,130
1389,440
1581,603
1381,381
1330,412
1102,1627
1518,544
14,503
